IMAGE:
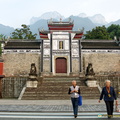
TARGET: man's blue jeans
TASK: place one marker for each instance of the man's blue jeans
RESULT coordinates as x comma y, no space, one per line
75,105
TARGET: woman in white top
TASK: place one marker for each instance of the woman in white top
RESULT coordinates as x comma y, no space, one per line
74,91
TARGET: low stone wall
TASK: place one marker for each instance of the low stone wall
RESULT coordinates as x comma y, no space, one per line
115,82
12,86
16,64
103,63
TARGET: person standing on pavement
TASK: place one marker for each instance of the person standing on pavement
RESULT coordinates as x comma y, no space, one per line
109,97
74,91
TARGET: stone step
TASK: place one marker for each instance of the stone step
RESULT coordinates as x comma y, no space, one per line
61,82
65,87
64,81
61,79
54,92
45,91
56,88
57,91
60,85
69,80
52,77
45,81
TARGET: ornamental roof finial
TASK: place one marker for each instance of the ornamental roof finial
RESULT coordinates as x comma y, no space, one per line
60,20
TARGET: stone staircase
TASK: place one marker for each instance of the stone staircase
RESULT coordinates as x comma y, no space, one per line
56,88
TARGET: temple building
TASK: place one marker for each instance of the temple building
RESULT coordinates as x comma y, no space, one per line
61,51
58,57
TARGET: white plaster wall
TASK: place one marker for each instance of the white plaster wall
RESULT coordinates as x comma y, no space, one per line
55,44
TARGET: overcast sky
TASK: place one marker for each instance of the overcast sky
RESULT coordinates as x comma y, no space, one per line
17,12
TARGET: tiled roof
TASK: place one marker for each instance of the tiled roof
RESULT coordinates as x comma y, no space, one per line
22,45
100,45
53,23
93,44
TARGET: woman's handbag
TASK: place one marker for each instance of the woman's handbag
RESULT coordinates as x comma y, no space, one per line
80,100
117,109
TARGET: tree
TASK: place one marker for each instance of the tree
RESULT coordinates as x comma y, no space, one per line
2,37
23,33
114,30
99,32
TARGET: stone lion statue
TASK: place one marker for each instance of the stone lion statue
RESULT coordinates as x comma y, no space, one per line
33,70
89,70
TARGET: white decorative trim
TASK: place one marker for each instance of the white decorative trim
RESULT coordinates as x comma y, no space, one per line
61,51
60,33
73,35
101,51
75,52
46,52
54,46
21,51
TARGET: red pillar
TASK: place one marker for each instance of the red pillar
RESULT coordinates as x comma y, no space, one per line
1,76
1,68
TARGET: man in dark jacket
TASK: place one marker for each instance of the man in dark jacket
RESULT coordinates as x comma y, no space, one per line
109,97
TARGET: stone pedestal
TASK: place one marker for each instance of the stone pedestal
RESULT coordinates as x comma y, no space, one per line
91,81
32,81
32,77
32,84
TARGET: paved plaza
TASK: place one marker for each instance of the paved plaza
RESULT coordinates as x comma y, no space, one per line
50,106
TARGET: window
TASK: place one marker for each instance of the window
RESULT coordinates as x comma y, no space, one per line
60,44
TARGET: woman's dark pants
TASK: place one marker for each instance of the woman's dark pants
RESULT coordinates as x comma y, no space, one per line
109,106
75,105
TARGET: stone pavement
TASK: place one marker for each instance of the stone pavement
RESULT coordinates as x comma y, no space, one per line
50,105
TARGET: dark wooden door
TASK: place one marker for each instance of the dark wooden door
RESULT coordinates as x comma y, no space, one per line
61,65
